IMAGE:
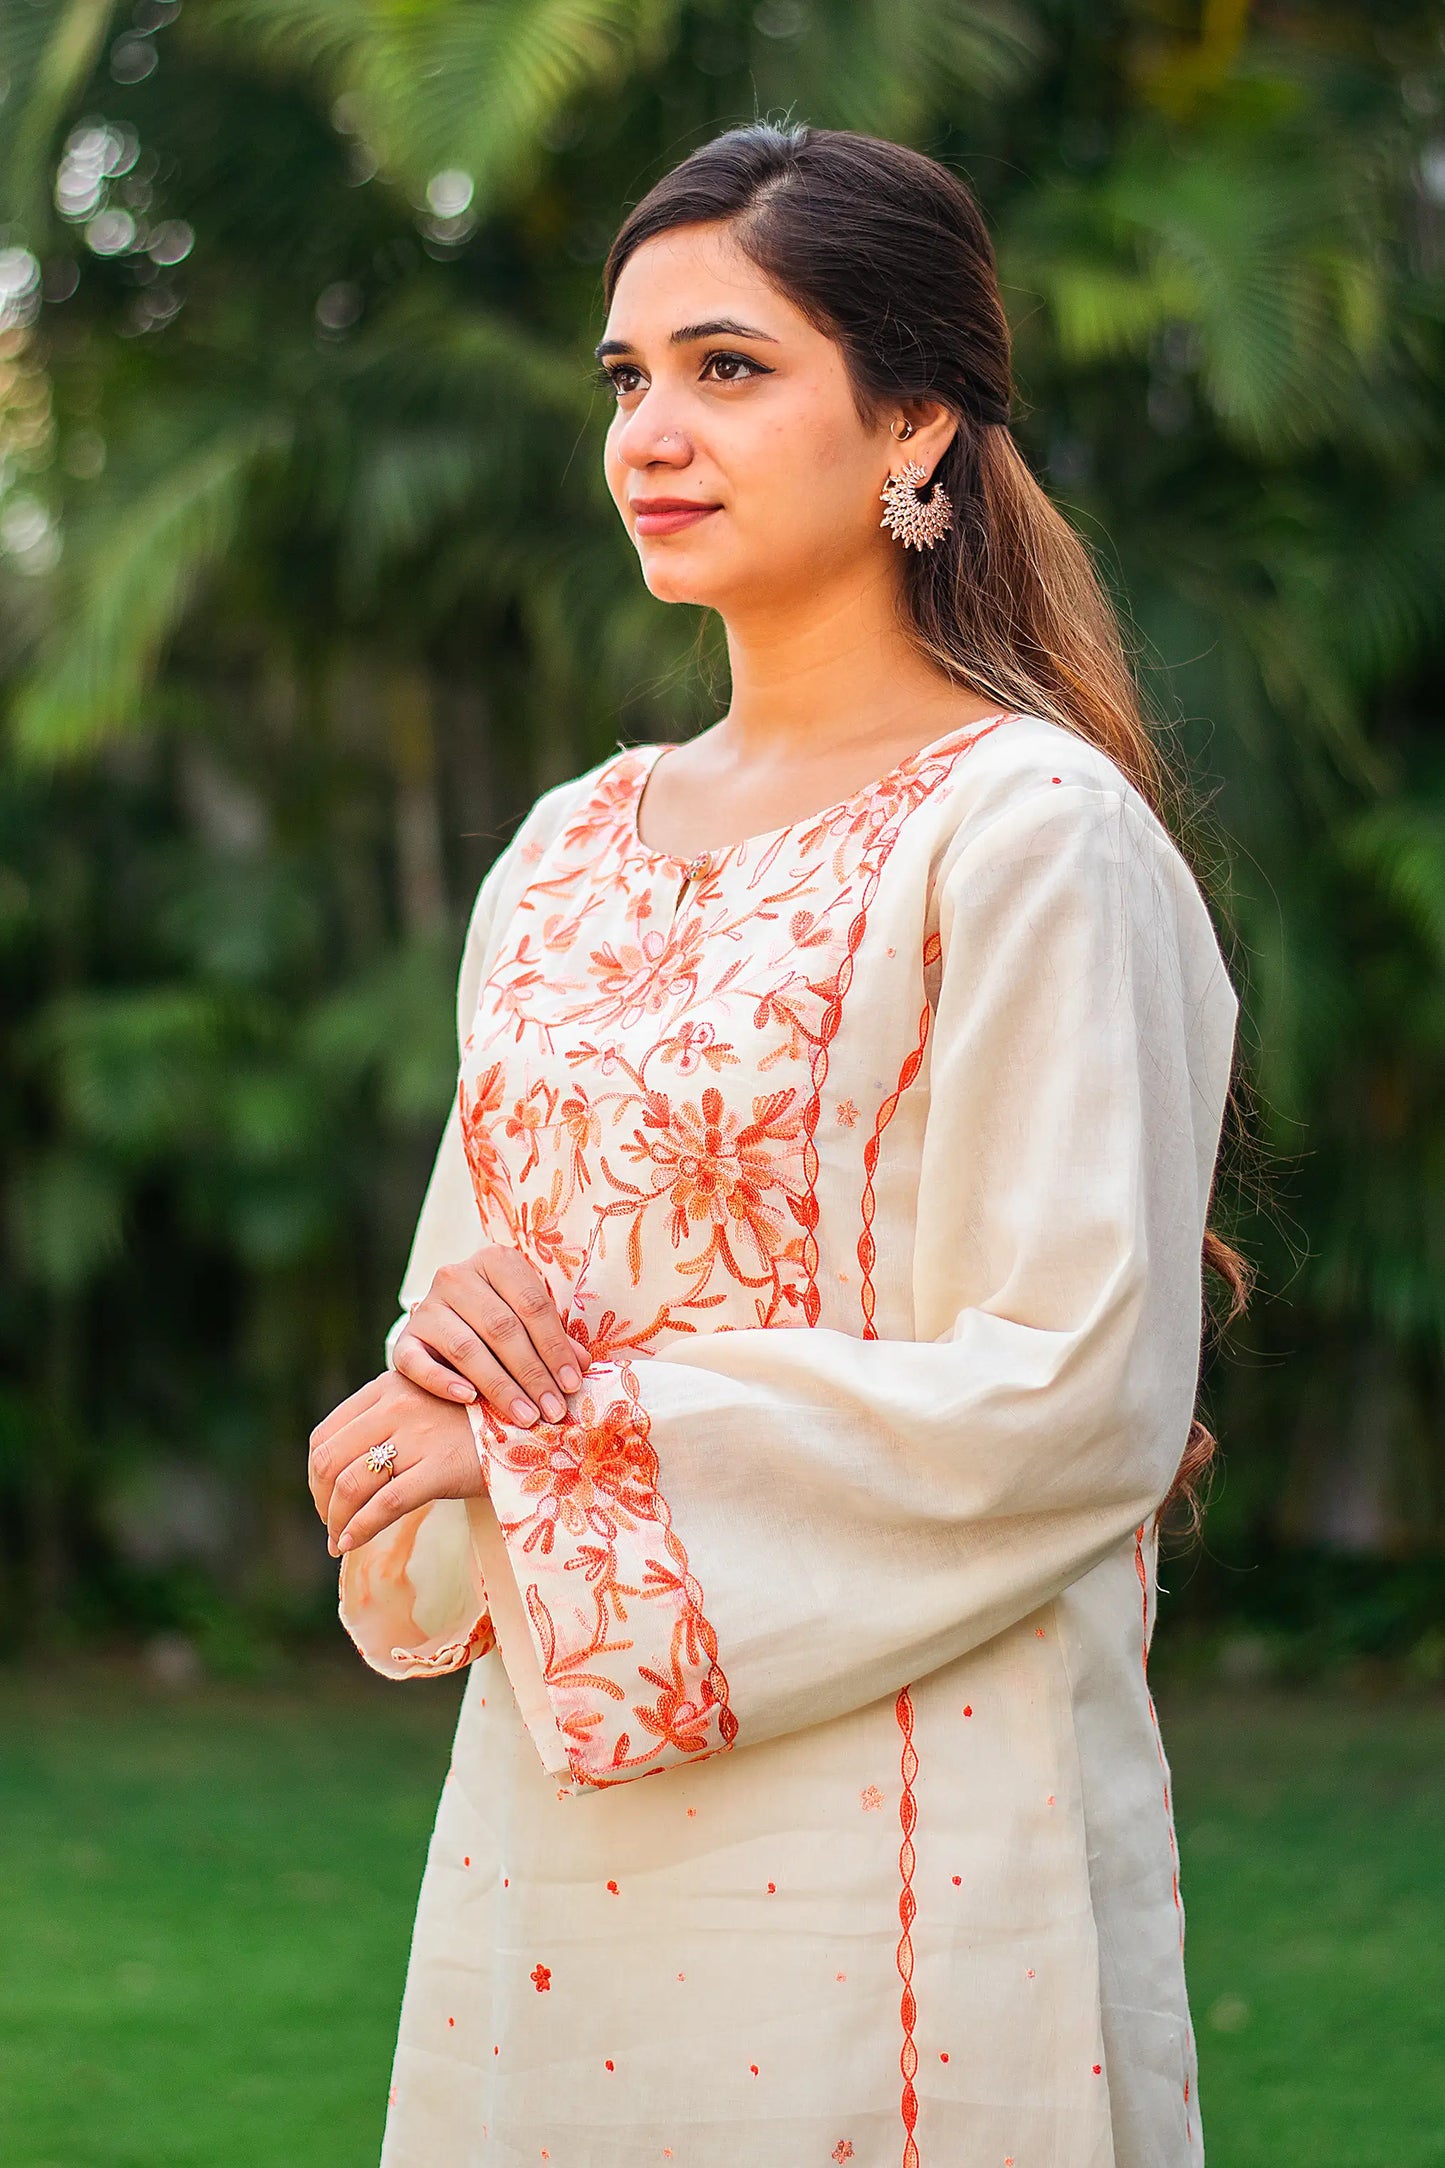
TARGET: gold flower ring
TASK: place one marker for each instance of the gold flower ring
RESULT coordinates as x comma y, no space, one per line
381,1460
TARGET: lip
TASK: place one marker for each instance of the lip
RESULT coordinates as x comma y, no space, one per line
668,515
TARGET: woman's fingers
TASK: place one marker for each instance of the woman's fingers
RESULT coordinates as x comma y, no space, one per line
525,1293
396,1496
415,1360
355,1485
487,1320
335,1445
438,1344
436,1457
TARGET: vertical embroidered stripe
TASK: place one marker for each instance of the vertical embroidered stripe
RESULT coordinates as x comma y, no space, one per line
907,1913
926,780
867,1248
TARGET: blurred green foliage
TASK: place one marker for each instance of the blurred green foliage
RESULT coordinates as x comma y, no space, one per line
308,583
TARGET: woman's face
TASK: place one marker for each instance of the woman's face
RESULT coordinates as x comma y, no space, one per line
733,406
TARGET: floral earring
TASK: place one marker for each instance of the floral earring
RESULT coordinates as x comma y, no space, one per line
911,521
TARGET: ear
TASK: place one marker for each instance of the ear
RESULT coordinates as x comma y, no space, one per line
934,429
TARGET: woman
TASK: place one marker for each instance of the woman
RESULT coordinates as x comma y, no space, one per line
803,1325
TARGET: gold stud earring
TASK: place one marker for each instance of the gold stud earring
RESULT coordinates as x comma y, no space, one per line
911,521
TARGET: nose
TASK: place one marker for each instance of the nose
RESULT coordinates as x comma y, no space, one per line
648,438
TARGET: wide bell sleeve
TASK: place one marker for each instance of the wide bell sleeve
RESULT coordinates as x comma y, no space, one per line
760,1529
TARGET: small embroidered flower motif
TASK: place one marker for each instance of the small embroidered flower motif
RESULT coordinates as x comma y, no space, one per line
1050,1800
870,1798
1031,1972
691,1812
466,1859
754,2068
612,1886
772,1889
451,2021
609,2063
968,1708
1038,1633
847,1115
541,1978
943,2055
842,2150
840,1976
1097,2069
958,1881
690,1047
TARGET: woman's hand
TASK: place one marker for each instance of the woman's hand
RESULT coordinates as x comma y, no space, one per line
488,1326
436,1457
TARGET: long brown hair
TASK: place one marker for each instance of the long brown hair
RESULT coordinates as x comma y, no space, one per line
887,252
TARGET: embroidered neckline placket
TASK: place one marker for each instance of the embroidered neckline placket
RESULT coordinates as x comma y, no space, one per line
692,870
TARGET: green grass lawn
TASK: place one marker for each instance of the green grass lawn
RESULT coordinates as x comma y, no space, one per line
205,1899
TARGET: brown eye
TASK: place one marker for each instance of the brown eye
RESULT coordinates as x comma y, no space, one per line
733,368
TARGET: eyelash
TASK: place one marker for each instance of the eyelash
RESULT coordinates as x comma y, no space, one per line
611,373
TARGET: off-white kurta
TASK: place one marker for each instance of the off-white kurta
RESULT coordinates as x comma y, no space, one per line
807,1802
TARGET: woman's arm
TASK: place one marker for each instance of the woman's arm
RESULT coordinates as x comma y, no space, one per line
762,1529
413,1600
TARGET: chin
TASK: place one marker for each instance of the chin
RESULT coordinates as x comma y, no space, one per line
672,578
708,582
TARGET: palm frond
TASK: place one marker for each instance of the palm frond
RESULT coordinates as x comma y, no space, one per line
47,50
448,85
131,565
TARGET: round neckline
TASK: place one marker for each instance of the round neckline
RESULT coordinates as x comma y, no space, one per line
711,858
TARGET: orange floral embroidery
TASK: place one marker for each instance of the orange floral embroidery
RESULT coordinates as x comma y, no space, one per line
640,1096
581,1498
541,1978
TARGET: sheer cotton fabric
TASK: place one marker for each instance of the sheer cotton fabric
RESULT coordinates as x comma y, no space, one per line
807,1801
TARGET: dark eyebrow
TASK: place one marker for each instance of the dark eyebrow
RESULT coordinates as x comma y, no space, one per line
687,334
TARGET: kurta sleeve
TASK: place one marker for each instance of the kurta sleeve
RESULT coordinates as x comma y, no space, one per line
412,1599
780,1525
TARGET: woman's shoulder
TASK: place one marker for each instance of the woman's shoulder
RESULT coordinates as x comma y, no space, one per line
1033,794
1021,764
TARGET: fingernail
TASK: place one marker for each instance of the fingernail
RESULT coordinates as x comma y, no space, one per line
347,1543
523,1412
331,1545
462,1391
568,1379
553,1408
